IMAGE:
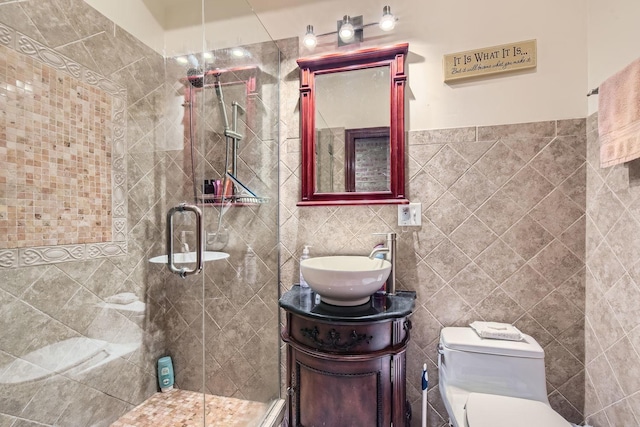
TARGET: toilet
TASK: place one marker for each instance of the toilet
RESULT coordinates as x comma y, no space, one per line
493,383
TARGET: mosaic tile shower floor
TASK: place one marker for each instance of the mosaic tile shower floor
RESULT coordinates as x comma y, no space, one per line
182,408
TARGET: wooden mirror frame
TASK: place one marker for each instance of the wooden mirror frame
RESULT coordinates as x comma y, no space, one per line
392,56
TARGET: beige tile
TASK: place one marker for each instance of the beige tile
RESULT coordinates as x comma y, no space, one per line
605,266
499,261
622,242
500,212
472,237
472,151
499,307
562,406
527,147
527,287
572,127
442,135
556,212
446,166
592,346
425,189
527,187
556,263
499,164
446,306
426,327
625,363
575,186
574,238
535,129
623,298
447,260
573,391
472,189
556,313
527,237
447,213
426,238
608,390
558,160
561,366
620,414
605,211
423,280
634,403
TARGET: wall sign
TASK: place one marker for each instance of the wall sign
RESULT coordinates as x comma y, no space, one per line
490,60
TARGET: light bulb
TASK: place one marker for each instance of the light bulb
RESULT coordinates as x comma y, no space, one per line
388,21
182,60
310,39
346,29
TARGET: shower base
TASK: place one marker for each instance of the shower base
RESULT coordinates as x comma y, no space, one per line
182,408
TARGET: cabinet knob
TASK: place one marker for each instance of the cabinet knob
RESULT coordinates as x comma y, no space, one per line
291,391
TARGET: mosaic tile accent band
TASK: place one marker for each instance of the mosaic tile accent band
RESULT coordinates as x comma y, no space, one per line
62,146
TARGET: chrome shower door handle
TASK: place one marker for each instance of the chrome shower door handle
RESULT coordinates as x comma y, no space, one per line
184,272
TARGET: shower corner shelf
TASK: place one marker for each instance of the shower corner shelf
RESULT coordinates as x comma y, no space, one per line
211,200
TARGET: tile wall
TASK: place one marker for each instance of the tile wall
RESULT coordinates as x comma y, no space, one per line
64,317
612,336
502,238
56,168
240,297
58,322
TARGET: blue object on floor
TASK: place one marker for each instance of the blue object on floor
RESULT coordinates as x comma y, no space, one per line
165,373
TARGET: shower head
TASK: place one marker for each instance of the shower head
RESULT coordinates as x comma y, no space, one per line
195,77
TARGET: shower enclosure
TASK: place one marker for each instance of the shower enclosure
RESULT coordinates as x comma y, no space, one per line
104,136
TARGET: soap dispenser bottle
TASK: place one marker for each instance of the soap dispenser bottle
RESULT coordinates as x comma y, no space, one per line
305,255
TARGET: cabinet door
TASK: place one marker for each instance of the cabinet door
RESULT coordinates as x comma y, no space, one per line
341,393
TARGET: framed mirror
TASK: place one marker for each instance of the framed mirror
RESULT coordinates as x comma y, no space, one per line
352,124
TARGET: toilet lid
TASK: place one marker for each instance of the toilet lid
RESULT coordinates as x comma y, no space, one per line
490,410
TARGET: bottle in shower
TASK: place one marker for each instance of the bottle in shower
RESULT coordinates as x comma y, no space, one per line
165,374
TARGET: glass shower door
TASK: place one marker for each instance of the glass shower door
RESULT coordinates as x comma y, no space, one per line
222,327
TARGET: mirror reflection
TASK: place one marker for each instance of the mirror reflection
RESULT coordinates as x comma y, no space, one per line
352,122
352,127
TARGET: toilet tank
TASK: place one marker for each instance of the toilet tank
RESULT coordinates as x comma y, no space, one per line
508,368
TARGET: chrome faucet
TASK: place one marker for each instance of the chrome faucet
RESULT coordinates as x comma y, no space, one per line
390,251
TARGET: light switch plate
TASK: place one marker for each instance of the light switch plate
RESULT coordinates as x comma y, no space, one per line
410,215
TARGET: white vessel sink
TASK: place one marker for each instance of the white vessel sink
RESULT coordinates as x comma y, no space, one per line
345,279
187,257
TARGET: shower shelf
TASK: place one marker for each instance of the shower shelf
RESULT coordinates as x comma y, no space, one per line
211,200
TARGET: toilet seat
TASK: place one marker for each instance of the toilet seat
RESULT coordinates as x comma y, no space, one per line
491,410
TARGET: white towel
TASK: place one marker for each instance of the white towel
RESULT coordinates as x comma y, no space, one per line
497,331
619,116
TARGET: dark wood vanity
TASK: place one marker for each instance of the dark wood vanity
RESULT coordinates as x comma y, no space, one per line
346,366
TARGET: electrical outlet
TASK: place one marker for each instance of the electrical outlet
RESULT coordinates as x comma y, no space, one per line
410,215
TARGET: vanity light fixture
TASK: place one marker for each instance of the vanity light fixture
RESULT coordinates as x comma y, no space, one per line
345,29
388,21
310,40
350,29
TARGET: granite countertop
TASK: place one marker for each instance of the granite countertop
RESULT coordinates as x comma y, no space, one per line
302,301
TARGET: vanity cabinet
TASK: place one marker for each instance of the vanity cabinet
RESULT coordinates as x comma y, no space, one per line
346,366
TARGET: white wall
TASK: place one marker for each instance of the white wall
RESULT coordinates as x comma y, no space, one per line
613,35
134,17
555,90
